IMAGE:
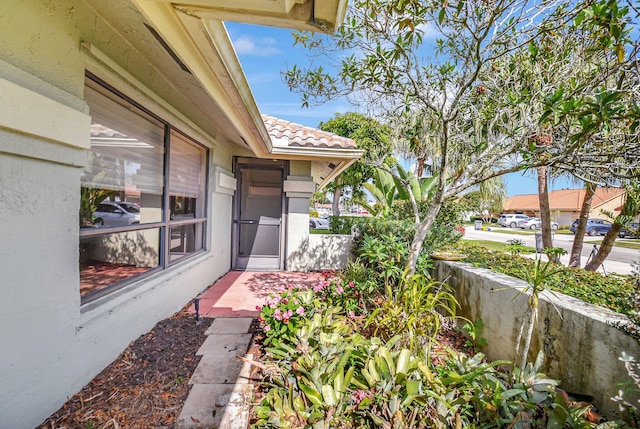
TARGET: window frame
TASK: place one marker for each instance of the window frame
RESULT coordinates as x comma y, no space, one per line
166,223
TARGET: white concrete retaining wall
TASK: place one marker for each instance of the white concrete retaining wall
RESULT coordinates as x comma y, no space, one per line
581,347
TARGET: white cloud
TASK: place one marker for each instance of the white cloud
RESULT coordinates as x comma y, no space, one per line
429,30
263,47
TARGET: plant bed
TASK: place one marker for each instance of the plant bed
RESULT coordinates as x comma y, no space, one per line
334,356
145,387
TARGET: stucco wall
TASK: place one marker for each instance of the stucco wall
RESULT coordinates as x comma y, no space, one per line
51,344
581,347
319,252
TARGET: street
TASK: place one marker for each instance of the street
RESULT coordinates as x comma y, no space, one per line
618,261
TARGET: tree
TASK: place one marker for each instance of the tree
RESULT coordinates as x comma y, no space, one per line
630,209
487,199
369,135
581,228
469,132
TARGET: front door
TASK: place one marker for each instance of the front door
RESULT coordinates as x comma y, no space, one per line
258,214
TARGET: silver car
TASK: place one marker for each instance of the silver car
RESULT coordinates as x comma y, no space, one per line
535,223
119,213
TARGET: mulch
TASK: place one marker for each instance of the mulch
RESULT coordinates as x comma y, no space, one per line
145,387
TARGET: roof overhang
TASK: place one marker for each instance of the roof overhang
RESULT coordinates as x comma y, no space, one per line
195,33
308,15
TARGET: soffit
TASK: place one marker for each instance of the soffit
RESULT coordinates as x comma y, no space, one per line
194,32
118,32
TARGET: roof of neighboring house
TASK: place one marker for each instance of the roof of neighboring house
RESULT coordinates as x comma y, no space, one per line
563,200
289,133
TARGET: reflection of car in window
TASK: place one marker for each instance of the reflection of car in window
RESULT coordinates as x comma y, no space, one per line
120,213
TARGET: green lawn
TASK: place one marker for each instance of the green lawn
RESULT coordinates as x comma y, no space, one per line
627,244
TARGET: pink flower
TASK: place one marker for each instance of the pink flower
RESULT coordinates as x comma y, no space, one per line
285,300
359,395
300,311
260,319
287,315
339,290
259,307
277,315
351,284
352,315
267,328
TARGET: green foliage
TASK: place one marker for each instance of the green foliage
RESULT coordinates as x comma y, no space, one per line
516,246
473,330
417,306
370,136
344,224
443,230
609,292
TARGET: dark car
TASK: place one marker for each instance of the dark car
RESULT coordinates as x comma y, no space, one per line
595,226
630,231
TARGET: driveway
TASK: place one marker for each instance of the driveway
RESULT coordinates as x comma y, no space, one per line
618,261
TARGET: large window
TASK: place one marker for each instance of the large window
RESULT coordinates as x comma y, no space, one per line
142,204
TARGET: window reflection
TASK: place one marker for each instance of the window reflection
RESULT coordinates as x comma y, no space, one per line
111,258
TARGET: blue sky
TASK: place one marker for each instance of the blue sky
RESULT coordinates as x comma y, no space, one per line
266,52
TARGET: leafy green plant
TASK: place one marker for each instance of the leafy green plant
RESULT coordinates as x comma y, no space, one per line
537,280
516,246
473,330
417,306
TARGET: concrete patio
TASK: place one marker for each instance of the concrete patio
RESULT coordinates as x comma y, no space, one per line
237,293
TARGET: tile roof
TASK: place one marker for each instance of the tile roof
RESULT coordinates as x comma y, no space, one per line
286,133
563,200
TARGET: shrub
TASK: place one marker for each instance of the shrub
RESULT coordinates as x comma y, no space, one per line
344,224
609,292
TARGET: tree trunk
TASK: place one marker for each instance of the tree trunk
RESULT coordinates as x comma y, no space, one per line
421,233
337,193
545,211
420,168
578,241
605,247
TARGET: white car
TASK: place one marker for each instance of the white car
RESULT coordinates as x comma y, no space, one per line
511,219
535,223
318,223
119,213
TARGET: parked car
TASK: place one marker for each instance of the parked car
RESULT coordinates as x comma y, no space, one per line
595,226
535,223
120,213
318,223
511,219
631,231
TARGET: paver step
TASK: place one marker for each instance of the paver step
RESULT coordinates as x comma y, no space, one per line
220,395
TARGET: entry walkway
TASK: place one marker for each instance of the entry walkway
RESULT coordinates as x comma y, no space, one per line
221,392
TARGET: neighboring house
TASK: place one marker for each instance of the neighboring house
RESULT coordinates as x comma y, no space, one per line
145,102
565,204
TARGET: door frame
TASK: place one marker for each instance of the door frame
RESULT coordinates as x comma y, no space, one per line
245,163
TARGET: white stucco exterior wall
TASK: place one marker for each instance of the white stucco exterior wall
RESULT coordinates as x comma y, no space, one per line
52,346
